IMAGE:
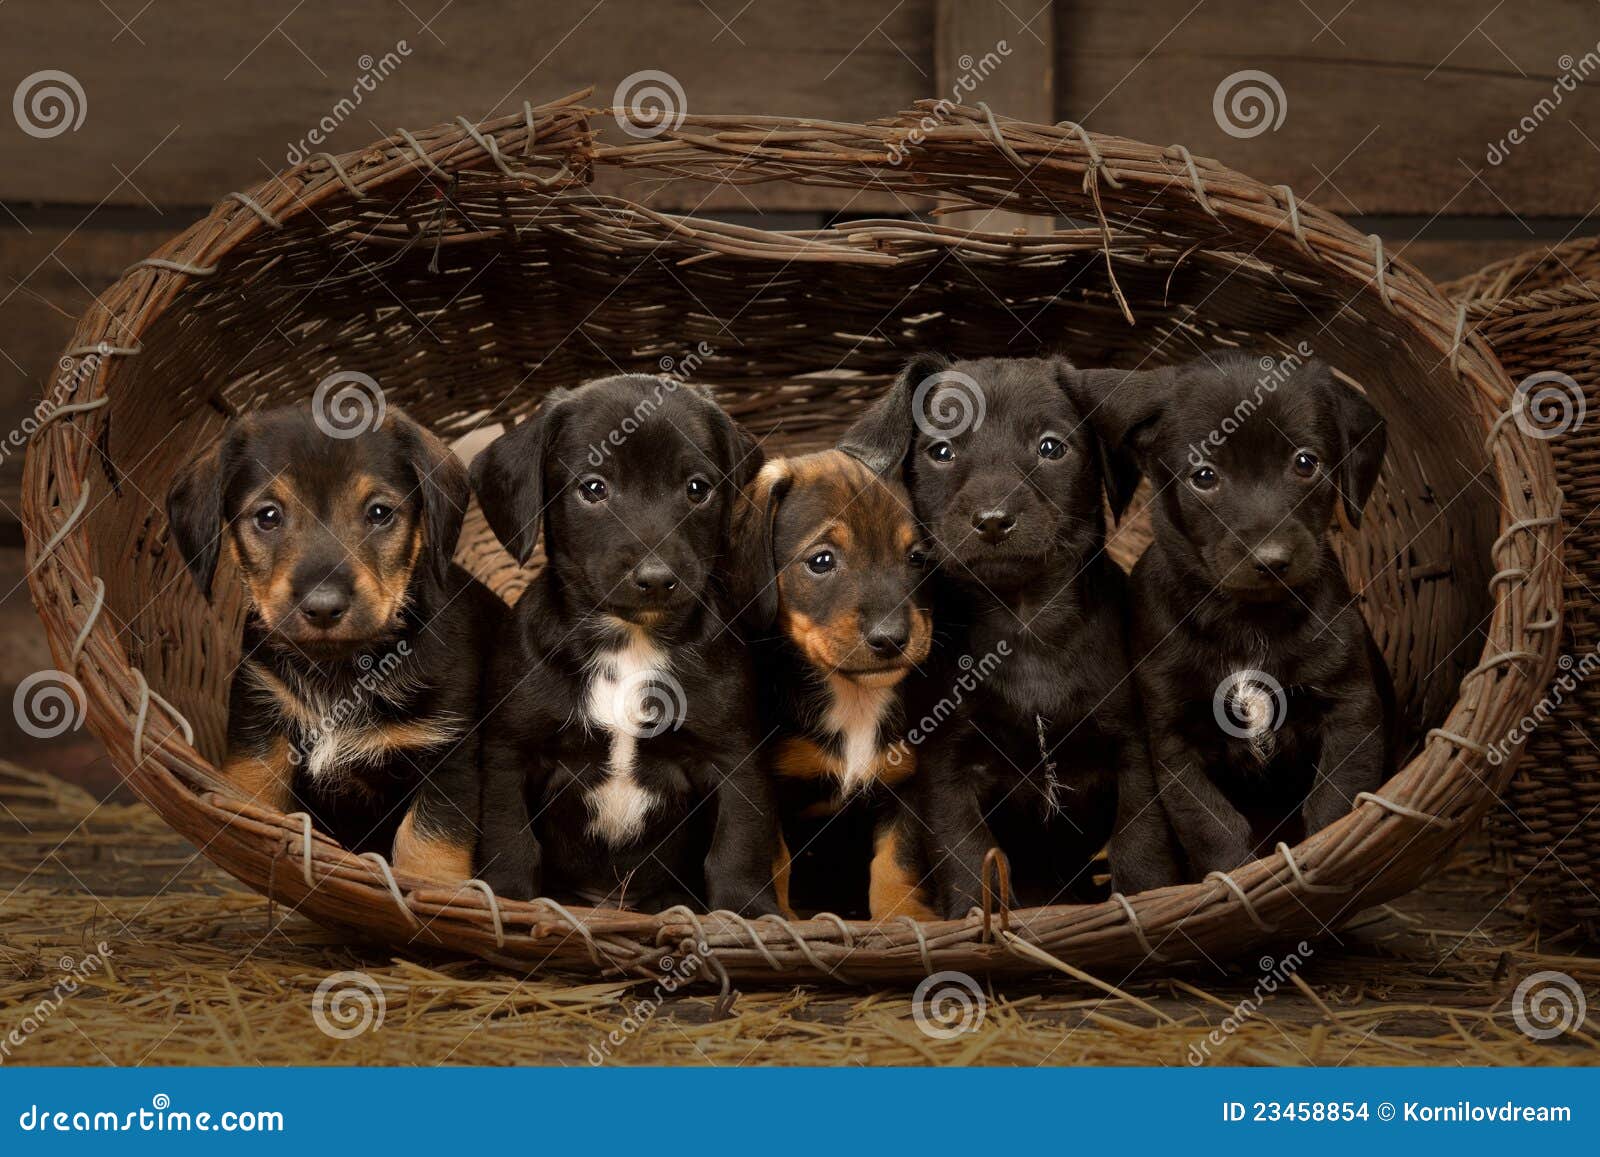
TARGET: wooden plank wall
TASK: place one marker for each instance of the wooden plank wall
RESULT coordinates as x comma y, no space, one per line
1389,111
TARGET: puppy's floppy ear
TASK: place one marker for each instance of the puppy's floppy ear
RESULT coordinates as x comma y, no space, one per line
1362,441
1119,470
755,561
882,436
442,482
195,507
1126,406
508,477
739,455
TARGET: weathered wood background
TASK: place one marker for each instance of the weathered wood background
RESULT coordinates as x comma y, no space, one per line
1389,110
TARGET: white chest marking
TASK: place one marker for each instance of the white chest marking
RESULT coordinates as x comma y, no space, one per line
854,713
629,697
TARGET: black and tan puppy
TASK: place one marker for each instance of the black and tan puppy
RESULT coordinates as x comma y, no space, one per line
1010,497
830,555
619,757
1267,699
357,693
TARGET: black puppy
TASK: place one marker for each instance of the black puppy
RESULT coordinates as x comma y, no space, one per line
1006,476
357,693
618,753
1265,693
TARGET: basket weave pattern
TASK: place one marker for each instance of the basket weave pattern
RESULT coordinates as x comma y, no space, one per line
1541,312
469,270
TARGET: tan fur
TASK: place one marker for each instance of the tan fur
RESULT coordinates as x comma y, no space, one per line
893,890
265,779
780,877
424,857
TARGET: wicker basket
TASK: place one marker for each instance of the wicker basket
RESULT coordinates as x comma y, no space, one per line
468,269
1541,313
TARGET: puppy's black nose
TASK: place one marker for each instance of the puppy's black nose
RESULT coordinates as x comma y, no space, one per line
324,605
993,525
1271,559
888,639
653,579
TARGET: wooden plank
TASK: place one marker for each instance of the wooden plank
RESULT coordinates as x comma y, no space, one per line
1392,109
198,98
984,50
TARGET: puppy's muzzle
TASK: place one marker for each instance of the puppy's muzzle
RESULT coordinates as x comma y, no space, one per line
888,639
994,526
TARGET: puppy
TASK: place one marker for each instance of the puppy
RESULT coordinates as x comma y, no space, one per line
1265,693
831,555
1027,756
357,693
618,754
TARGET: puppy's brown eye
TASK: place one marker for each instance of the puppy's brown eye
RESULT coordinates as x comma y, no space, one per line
698,490
1051,447
1305,463
821,562
917,556
593,489
1204,478
380,514
941,452
268,518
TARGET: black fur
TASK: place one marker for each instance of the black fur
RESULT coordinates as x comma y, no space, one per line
710,831
1240,577
1028,756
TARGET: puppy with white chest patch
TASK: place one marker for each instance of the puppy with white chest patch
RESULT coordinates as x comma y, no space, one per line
1269,704
357,693
618,751
830,555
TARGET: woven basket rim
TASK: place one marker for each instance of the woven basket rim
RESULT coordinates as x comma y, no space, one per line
1429,803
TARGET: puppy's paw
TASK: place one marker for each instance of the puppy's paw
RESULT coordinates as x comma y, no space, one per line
511,879
750,898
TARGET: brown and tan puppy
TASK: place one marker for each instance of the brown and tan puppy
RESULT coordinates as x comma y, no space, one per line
356,694
830,564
